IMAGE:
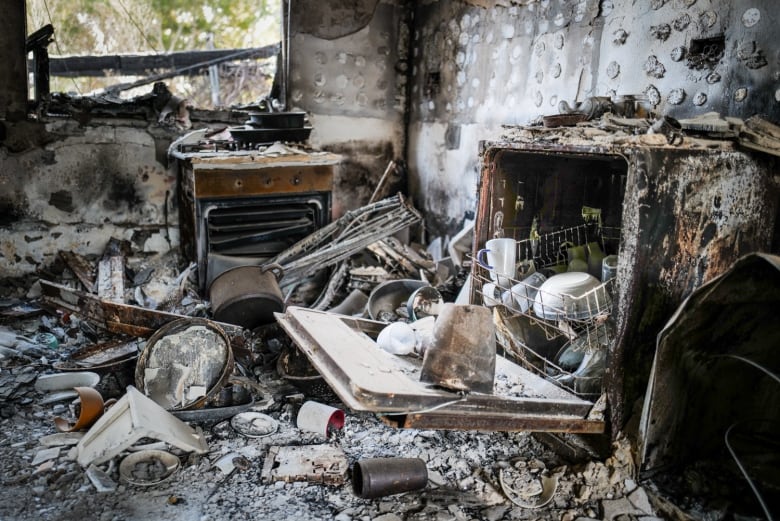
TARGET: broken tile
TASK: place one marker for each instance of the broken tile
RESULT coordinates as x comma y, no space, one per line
61,439
45,455
43,467
388,517
615,507
225,463
101,480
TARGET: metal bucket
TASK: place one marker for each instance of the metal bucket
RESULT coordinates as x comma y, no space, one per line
247,296
462,356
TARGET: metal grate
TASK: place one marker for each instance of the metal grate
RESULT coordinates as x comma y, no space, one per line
541,330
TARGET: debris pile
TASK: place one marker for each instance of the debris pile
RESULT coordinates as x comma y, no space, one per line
124,399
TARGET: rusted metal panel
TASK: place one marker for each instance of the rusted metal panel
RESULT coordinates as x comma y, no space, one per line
262,180
716,365
117,318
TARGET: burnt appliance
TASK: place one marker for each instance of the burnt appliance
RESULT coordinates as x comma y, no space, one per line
676,216
241,206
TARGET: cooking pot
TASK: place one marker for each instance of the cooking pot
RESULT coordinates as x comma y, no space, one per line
247,296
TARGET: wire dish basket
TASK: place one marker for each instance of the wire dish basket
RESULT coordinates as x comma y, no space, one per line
553,321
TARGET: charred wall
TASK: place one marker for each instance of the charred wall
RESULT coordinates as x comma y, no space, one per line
475,69
81,186
348,72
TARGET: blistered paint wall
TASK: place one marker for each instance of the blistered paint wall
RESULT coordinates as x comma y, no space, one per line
82,186
348,71
475,69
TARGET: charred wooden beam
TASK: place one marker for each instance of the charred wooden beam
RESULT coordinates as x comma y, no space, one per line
137,64
111,278
81,267
495,422
117,318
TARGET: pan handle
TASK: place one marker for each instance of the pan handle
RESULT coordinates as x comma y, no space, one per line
275,268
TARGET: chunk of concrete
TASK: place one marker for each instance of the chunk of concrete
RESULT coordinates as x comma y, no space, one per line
100,479
615,507
46,455
640,500
313,463
134,417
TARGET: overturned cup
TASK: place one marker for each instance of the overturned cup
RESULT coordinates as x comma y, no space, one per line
320,418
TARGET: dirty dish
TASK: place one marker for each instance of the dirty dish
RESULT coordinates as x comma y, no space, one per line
524,292
500,260
491,294
185,364
66,381
148,467
253,424
573,295
424,302
389,296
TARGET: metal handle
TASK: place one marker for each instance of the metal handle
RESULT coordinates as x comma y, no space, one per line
274,268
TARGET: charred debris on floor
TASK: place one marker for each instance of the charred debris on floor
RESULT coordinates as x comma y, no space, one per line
171,373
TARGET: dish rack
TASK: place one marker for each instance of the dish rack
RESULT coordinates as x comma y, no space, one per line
541,330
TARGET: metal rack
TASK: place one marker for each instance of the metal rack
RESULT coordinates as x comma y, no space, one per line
542,330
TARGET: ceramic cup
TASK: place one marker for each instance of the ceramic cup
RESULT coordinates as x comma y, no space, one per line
525,291
491,294
320,418
501,256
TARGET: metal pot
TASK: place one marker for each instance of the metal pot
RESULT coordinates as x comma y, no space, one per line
276,119
247,296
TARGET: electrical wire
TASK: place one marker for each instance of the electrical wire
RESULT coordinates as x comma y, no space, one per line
744,471
137,26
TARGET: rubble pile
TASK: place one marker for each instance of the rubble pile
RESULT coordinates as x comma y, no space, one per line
197,419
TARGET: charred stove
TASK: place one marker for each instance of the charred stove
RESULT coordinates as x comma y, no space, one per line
241,204
675,217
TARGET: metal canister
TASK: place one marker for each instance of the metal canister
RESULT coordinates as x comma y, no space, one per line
379,477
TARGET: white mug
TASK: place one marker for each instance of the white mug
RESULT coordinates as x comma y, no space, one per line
501,256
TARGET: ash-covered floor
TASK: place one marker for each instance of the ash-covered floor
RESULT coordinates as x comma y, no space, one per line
471,475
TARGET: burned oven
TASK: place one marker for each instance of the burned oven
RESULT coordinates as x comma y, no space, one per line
604,243
243,207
